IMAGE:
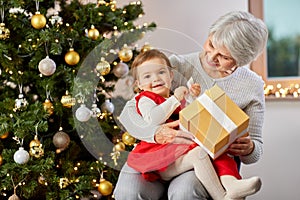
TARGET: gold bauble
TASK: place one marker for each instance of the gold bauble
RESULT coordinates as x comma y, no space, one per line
48,106
67,100
4,32
103,67
1,160
120,146
36,151
72,57
42,180
35,142
38,20
93,33
125,54
105,187
4,135
128,139
146,47
63,182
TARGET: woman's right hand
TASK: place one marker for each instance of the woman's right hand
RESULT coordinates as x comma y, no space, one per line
167,133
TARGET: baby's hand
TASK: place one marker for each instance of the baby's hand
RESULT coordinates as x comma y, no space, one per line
195,89
180,92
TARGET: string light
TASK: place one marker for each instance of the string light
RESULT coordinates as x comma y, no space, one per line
278,91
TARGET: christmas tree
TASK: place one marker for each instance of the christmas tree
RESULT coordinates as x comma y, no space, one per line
59,63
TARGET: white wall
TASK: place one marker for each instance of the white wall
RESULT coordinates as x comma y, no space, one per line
182,28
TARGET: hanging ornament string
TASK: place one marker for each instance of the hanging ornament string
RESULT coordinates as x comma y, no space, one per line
20,88
15,186
48,96
37,4
71,42
2,14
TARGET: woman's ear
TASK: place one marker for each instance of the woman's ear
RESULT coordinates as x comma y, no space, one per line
171,74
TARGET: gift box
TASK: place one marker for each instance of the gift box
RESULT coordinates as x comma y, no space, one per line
215,121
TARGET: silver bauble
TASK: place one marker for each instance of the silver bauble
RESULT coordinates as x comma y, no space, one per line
21,156
121,70
83,114
61,140
107,106
47,66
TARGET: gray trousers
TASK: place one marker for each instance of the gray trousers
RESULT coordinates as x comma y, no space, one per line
132,186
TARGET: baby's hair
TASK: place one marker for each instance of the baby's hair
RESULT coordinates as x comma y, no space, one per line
145,56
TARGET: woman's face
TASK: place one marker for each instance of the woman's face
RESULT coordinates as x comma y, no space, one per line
217,60
154,75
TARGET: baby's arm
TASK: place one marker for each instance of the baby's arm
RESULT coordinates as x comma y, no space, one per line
156,114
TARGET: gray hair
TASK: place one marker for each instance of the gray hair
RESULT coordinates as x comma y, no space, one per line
244,35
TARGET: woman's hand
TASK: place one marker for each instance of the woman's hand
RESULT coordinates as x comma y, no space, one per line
195,89
167,133
242,146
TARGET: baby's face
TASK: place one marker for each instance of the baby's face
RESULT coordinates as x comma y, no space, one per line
154,75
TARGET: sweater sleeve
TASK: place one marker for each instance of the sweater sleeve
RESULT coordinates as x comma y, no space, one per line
137,126
255,110
156,114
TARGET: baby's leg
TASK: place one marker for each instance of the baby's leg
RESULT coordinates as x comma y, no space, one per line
198,159
240,188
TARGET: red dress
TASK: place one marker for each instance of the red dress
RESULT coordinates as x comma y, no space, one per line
148,158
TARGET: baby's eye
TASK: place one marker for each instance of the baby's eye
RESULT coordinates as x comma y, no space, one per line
162,71
146,76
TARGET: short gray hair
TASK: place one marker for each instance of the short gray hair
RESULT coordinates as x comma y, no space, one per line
244,35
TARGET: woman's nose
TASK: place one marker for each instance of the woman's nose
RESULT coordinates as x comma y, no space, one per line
214,56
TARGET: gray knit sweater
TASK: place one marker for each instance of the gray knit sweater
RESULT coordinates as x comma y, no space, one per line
243,86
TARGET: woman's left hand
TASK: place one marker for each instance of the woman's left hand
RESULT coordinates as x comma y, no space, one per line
242,146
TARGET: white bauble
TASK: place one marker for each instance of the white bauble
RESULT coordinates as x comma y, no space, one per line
21,156
121,70
47,66
107,106
83,114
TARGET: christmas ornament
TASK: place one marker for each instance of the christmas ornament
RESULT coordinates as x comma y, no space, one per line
47,66
42,180
48,106
4,32
96,111
21,156
38,20
125,54
61,140
4,135
128,139
103,67
14,197
120,146
36,149
107,106
72,57
105,187
63,182
67,100
121,70
20,103
93,33
146,47
1,160
83,114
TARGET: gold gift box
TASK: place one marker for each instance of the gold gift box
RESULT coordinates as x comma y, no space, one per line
215,121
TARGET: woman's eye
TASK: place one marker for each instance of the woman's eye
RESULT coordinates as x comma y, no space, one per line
162,72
